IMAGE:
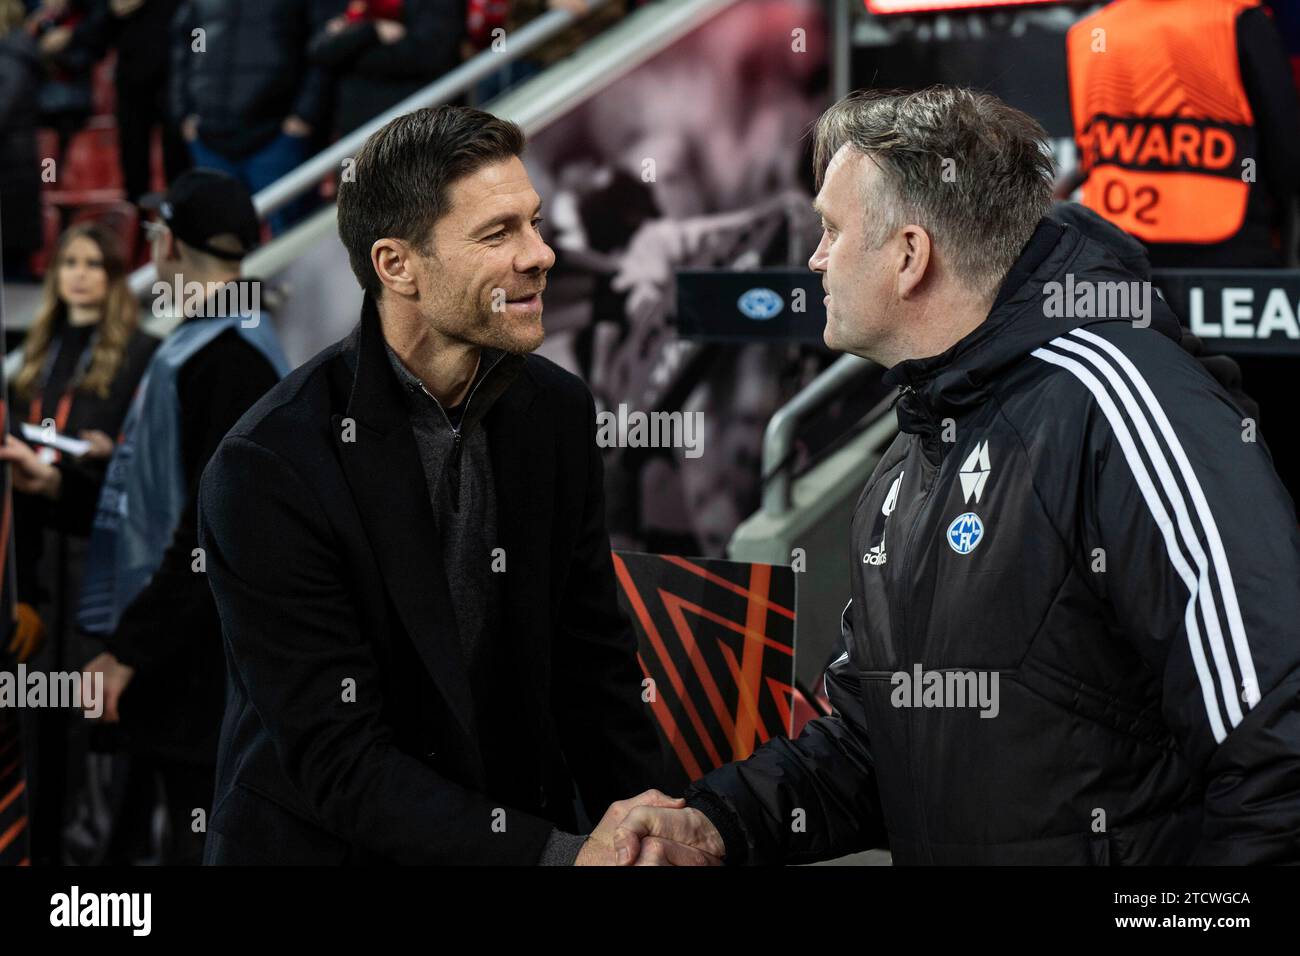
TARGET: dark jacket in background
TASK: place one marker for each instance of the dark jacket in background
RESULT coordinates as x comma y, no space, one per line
253,74
143,41
171,633
350,732
65,98
20,166
370,76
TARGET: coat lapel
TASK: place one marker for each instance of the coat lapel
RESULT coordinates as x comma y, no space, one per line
383,468
523,470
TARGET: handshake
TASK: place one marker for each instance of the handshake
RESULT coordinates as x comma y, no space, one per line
652,829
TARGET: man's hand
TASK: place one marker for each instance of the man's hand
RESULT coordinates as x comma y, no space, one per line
190,128
579,8
655,836
116,676
599,850
389,31
32,474
55,40
101,445
296,127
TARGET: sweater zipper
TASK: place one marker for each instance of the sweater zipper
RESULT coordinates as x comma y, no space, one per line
455,429
454,464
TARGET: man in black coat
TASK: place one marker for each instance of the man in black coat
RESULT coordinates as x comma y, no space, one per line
406,541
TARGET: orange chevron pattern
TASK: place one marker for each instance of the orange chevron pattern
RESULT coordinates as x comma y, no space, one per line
717,639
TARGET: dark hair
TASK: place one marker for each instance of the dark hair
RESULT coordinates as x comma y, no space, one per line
399,183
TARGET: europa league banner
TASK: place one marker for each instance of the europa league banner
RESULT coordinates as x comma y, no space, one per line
716,647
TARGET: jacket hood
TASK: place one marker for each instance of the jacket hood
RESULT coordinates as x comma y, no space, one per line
1038,301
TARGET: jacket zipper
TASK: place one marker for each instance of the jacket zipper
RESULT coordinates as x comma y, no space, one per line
901,607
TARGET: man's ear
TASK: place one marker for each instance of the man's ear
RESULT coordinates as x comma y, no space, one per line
393,261
915,259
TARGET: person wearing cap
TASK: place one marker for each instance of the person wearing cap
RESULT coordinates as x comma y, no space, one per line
144,591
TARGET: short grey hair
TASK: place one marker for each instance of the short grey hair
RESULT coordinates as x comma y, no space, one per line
972,171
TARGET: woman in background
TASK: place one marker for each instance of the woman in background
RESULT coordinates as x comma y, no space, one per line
83,358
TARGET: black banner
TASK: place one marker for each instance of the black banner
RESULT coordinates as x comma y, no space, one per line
1237,311
1234,311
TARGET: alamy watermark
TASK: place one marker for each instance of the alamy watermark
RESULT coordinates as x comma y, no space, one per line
946,688
210,300
74,908
57,689
1085,299
633,429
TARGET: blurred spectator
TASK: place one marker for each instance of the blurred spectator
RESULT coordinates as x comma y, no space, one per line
484,16
382,51
65,98
243,90
140,32
20,179
83,358
1286,13
1167,159
144,589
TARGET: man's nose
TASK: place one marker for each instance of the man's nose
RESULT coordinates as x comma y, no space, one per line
538,257
817,262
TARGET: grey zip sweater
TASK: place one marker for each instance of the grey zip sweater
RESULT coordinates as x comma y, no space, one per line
458,470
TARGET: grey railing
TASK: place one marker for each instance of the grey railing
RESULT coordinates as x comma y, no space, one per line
607,57
309,175
533,104
778,440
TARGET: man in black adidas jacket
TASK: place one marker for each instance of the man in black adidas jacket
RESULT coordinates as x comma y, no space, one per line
1074,633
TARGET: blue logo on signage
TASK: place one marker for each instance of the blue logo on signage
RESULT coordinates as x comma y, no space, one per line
965,533
761,304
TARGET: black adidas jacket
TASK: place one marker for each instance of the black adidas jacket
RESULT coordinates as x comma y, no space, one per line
1072,504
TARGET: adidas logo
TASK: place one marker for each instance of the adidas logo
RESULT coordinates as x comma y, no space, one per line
876,556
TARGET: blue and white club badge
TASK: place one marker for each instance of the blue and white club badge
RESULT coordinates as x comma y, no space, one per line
965,533
760,304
